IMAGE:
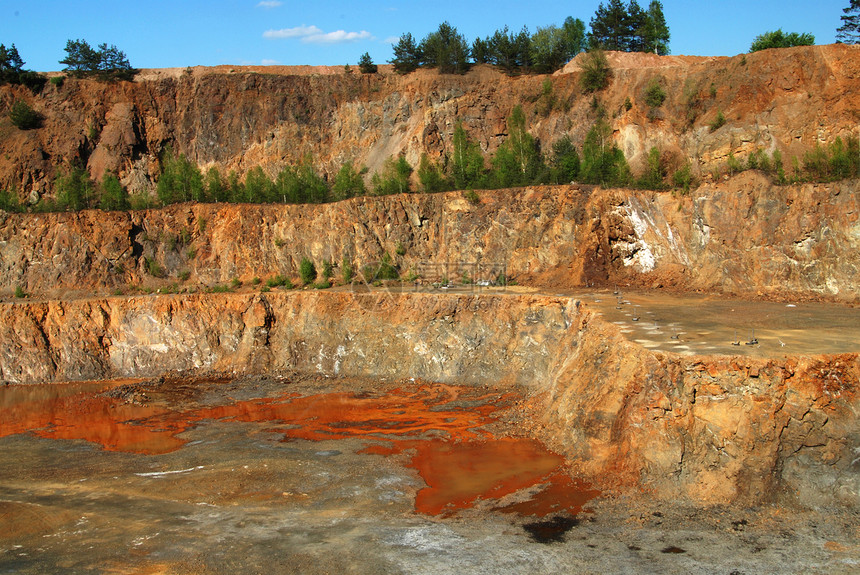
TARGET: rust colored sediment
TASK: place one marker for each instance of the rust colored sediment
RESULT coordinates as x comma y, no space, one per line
461,462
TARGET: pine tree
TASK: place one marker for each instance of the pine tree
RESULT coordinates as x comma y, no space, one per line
407,55
366,65
630,28
656,31
11,64
638,21
611,27
849,32
445,49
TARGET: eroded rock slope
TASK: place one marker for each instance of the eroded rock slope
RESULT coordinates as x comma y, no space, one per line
714,430
742,236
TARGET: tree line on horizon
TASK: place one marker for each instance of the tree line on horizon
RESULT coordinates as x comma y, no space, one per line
614,26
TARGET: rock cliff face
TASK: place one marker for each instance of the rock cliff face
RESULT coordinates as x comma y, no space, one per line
238,118
711,429
740,236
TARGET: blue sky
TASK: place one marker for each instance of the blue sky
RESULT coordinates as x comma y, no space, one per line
178,33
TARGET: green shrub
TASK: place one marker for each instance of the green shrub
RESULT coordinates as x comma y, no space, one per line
778,169
845,158
113,195
235,283
779,39
154,268
19,292
837,161
384,270
325,284
431,177
595,71
393,178
24,117
184,275
180,180
602,161
692,102
758,160
58,81
75,191
387,270
718,122
348,183
655,172
683,177
346,270
565,162
307,271
328,270
547,99
278,281
472,197
654,94
9,201
734,164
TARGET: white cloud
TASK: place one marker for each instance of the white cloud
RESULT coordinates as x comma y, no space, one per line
269,4
338,37
267,62
297,32
391,40
313,35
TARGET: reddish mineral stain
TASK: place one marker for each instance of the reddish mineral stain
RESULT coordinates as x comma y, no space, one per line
462,464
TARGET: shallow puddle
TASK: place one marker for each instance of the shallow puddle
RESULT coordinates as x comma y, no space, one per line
438,430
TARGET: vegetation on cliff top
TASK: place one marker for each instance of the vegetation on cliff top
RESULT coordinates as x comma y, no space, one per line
614,27
849,32
779,39
107,63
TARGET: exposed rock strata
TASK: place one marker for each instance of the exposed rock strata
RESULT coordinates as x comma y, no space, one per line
741,236
714,429
238,118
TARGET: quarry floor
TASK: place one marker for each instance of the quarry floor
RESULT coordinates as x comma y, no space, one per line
703,324
308,474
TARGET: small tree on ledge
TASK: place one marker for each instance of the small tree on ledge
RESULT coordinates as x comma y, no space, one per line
366,65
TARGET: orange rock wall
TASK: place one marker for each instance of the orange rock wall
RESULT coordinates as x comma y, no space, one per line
238,118
742,236
711,429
